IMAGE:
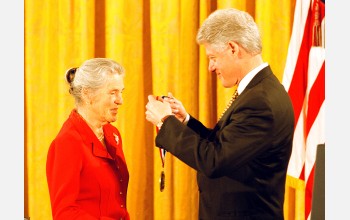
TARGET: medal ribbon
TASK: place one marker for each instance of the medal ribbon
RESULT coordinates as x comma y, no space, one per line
162,153
162,157
162,175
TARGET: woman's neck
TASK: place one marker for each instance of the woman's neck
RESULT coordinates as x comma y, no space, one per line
95,125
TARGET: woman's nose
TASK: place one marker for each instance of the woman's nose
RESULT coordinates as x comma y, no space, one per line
119,100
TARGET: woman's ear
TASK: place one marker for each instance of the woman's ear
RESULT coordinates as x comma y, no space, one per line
85,94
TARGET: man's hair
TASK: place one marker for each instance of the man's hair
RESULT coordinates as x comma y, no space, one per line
230,24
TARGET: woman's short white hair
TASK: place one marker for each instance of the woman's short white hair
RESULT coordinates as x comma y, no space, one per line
92,75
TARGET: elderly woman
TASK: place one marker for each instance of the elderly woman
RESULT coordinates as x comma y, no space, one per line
86,171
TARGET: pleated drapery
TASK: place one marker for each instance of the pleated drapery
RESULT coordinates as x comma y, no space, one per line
155,41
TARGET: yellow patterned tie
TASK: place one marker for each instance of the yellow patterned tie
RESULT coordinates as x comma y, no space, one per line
233,98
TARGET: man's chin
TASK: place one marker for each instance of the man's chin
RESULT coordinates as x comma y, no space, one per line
224,84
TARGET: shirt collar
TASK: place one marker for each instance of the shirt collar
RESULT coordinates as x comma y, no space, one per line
247,78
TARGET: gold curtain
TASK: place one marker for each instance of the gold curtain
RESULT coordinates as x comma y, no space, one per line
155,41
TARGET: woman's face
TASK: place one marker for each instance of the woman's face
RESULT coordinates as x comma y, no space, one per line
108,99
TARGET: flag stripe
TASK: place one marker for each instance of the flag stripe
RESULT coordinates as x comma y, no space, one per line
296,161
300,15
316,136
298,85
316,98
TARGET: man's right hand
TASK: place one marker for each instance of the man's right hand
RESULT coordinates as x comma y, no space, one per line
176,107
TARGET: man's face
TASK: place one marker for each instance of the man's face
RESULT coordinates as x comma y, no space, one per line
224,64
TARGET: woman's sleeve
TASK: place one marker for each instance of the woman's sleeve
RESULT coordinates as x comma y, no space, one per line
63,167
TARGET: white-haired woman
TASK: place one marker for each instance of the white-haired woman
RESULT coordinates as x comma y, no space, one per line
86,170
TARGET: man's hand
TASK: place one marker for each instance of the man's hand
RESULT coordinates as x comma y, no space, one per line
176,107
156,110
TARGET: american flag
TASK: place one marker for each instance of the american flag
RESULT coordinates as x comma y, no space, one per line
304,79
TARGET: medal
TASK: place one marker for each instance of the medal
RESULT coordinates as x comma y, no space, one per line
162,181
162,174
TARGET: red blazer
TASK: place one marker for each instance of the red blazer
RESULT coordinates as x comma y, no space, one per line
85,180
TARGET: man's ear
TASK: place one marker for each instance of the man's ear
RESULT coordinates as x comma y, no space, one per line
234,47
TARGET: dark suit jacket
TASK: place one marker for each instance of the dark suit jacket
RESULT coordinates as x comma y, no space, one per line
242,162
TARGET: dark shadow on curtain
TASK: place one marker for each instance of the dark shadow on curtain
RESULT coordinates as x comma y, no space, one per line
147,85
100,32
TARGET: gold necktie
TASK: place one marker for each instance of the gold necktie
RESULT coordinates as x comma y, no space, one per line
233,98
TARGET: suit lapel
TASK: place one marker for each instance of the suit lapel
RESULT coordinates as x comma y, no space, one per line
262,74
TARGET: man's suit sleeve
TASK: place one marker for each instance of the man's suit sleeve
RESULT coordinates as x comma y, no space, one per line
246,135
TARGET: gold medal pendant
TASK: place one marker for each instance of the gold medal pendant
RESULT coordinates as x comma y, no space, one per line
162,174
162,181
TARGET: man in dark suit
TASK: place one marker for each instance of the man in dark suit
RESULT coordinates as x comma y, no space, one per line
242,162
